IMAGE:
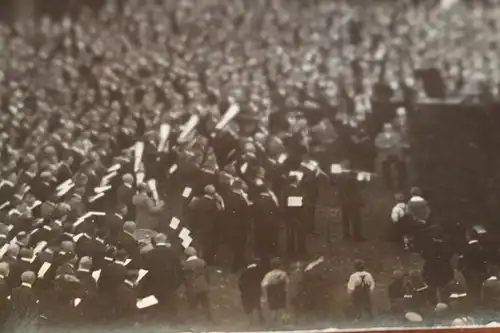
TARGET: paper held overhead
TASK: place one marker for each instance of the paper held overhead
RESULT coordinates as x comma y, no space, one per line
138,152
44,269
154,190
188,128
294,202
164,134
232,112
3,250
114,168
336,169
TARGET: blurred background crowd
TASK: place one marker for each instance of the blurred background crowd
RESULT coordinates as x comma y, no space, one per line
321,87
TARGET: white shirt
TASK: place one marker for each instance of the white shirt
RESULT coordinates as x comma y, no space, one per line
355,280
398,212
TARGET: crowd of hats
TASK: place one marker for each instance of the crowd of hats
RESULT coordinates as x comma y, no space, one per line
77,93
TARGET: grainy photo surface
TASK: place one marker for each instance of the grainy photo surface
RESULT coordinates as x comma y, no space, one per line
248,165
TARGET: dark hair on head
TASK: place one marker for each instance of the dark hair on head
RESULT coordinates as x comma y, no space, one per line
415,191
359,265
121,254
275,263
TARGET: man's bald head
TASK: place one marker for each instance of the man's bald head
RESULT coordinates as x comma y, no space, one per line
160,239
130,227
28,277
13,250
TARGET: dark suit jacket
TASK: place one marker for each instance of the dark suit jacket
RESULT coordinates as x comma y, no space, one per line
125,301
5,304
128,242
24,303
165,270
112,275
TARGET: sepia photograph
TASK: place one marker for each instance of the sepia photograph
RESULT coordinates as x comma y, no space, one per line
249,165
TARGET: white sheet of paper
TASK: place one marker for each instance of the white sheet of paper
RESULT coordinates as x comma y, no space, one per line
96,197
96,213
3,250
186,242
45,267
114,168
184,233
5,204
244,168
294,202
141,275
102,189
336,168
77,237
39,247
64,184
172,169
146,302
65,190
174,223
282,158
187,192
96,275
77,302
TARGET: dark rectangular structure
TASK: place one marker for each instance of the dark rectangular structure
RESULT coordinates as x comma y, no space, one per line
455,150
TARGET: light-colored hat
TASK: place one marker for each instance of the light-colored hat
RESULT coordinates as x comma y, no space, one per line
413,317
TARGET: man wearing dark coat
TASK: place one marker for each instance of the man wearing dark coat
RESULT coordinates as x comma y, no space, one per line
24,303
164,274
266,223
238,213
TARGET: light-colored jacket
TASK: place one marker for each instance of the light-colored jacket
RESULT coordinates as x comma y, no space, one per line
356,278
148,213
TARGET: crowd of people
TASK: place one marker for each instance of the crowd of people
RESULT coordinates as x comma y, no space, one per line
139,138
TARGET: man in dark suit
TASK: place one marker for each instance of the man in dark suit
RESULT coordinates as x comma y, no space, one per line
125,303
113,273
164,274
24,302
128,242
351,202
5,291
266,219
88,293
205,222
113,224
125,193
197,281
239,222
250,289
295,219
13,279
